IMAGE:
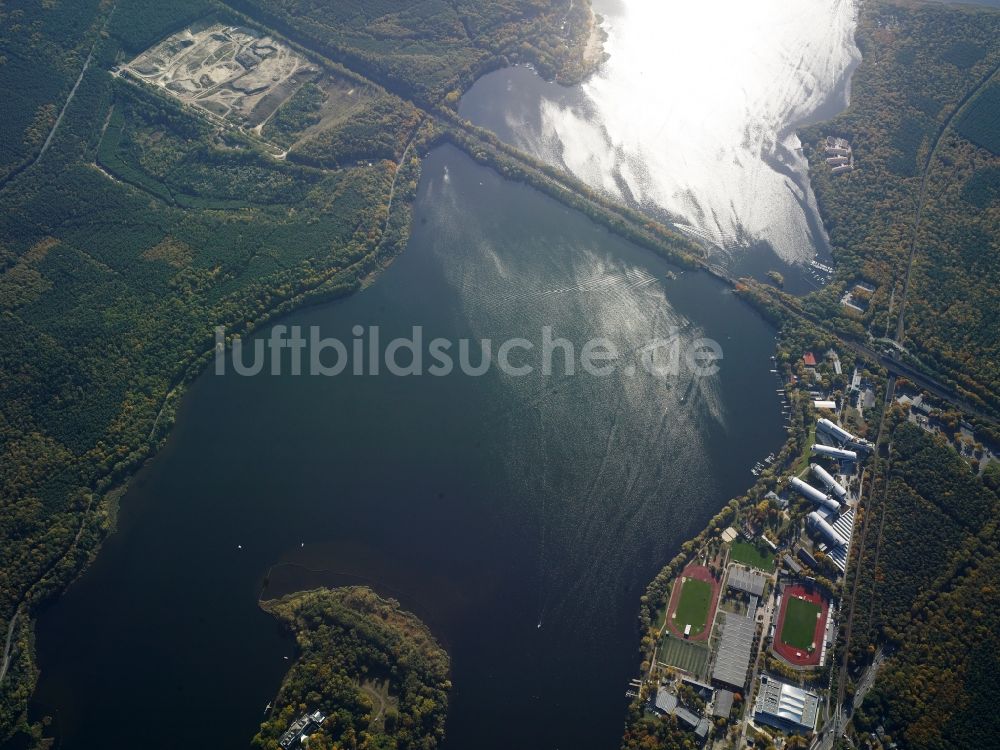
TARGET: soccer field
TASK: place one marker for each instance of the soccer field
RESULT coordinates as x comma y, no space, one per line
691,657
692,609
749,554
799,626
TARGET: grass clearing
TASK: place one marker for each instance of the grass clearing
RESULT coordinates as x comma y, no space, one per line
799,626
756,556
801,464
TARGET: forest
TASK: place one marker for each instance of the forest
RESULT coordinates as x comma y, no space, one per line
372,668
920,101
430,49
928,592
32,92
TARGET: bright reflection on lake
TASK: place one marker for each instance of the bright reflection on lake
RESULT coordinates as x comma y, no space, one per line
693,114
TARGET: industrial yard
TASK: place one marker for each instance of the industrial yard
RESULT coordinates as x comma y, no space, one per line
231,73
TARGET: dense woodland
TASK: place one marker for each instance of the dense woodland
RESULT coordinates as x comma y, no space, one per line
372,668
921,65
929,592
33,93
431,50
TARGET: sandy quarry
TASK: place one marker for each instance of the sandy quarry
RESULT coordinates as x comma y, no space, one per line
231,72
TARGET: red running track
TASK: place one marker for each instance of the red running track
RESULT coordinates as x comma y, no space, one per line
701,573
789,653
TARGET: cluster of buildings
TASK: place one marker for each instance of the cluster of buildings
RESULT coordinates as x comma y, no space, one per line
758,605
301,728
666,704
832,521
857,296
839,155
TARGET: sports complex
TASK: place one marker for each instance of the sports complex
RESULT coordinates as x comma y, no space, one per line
801,625
692,603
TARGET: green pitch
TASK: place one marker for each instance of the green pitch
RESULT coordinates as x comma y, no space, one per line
691,657
800,624
692,609
755,557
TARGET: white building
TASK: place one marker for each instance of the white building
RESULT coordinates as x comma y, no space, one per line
839,453
822,527
811,493
785,706
832,484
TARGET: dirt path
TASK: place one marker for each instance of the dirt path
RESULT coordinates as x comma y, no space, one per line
8,645
922,197
395,176
72,93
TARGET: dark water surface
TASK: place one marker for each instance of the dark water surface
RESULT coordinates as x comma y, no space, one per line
520,517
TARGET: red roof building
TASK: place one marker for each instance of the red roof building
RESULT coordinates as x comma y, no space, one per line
809,359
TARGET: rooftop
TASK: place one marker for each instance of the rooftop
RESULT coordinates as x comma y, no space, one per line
749,581
723,703
300,727
791,564
783,705
735,649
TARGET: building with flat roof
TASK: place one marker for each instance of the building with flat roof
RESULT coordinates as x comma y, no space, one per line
666,704
735,649
703,689
300,728
791,564
749,581
723,703
785,706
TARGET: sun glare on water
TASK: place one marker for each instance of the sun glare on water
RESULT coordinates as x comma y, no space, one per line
692,112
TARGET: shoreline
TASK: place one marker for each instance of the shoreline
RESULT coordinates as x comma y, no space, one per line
594,54
106,502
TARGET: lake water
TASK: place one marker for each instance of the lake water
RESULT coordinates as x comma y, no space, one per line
694,116
520,517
